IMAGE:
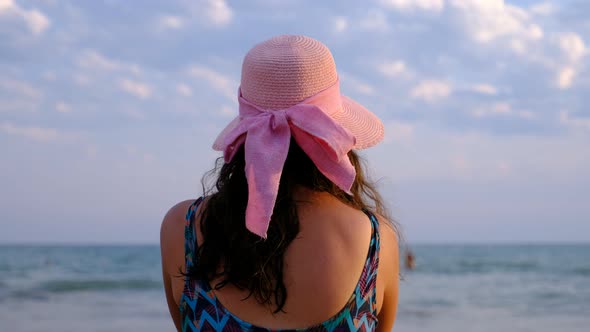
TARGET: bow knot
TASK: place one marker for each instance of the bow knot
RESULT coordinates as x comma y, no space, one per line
280,118
266,135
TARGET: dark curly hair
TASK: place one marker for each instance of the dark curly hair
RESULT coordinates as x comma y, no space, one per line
236,256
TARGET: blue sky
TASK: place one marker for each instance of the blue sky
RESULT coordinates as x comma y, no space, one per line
108,110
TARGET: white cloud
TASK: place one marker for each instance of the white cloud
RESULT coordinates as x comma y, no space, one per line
518,46
544,9
489,20
374,21
363,88
92,59
340,24
394,68
20,88
34,133
218,81
495,109
171,22
19,96
6,5
496,23
501,109
184,90
565,77
485,89
574,50
35,20
136,88
409,5
218,12
357,84
431,90
62,107
573,47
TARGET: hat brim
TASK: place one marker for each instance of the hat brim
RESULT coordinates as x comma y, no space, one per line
218,144
362,123
365,126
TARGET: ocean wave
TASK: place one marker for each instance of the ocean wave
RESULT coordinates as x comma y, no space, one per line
44,290
416,313
582,271
485,266
461,267
430,303
547,295
66,286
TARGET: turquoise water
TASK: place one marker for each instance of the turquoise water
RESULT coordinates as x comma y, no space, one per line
453,288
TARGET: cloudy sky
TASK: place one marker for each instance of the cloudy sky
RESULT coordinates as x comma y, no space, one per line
108,110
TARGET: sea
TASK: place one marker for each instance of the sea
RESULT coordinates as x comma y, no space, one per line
452,288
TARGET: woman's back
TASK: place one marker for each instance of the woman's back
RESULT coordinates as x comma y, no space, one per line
322,266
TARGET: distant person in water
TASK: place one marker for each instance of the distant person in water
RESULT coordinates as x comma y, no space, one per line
293,235
410,260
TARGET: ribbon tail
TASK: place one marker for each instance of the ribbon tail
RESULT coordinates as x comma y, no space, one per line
266,148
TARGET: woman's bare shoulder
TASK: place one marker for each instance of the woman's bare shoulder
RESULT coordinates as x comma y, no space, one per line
388,232
173,222
388,275
389,241
172,235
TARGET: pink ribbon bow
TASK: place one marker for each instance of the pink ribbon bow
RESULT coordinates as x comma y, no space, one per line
267,134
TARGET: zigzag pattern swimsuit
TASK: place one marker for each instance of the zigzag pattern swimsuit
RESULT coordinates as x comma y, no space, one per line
201,310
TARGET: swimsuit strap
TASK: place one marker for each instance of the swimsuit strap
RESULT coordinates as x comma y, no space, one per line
190,243
367,288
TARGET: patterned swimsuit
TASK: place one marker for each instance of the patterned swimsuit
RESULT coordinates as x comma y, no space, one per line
201,310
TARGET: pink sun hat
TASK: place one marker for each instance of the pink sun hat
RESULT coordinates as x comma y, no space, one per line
290,89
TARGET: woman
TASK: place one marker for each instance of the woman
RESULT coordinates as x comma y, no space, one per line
294,236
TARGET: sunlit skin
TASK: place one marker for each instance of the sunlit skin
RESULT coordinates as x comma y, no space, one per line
322,266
